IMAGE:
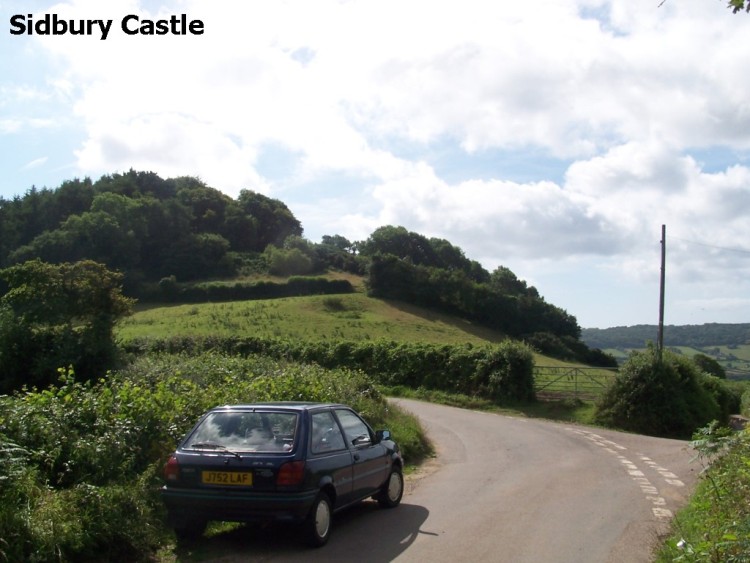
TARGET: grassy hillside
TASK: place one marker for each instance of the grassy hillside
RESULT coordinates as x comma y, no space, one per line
351,317
340,317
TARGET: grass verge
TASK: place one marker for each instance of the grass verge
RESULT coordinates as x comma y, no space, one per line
715,525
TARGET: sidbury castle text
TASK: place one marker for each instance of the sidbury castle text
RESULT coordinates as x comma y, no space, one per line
52,24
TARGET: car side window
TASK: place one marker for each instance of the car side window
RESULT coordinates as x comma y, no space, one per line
356,431
326,434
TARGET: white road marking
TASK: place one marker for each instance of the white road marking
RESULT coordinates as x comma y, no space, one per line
669,477
639,477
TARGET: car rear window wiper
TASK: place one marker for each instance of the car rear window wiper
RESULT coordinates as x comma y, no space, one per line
214,446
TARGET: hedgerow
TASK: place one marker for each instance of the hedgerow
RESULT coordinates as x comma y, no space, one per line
80,462
168,290
501,372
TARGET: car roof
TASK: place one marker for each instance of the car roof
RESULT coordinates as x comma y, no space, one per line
286,405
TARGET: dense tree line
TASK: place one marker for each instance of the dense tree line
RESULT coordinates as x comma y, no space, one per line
418,250
516,313
502,372
433,273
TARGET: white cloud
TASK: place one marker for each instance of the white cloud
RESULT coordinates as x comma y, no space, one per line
635,186
491,217
167,143
37,162
22,93
486,75
10,125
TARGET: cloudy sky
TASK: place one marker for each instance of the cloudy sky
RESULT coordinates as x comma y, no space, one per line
554,138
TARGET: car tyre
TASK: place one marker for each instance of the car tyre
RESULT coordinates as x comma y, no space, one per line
317,525
392,490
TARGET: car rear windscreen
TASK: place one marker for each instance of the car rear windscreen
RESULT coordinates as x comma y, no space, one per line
265,432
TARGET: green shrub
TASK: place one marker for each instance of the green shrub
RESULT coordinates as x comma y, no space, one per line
334,304
660,398
17,480
726,395
709,365
168,289
282,262
509,372
56,315
745,403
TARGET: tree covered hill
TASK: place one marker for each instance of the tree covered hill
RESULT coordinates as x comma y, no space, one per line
168,232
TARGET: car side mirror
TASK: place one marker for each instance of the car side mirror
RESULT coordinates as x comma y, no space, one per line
383,435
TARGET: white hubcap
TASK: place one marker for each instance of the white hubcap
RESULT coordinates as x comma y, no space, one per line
322,519
394,486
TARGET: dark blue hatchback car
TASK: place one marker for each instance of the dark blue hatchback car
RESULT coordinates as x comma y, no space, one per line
285,462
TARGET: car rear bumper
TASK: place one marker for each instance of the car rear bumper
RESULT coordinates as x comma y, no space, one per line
236,506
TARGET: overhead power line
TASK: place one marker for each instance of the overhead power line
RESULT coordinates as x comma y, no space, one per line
739,250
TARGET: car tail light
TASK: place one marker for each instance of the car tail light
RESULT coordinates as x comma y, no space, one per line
172,470
291,473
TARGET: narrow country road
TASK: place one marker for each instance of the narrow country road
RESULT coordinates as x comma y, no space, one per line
506,489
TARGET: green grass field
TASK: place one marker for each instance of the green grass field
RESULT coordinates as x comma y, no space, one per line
340,317
352,317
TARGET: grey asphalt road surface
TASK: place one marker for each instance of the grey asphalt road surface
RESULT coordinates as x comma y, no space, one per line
502,489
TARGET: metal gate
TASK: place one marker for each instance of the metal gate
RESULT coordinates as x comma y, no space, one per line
572,382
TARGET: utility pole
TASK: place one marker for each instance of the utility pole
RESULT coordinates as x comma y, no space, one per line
660,343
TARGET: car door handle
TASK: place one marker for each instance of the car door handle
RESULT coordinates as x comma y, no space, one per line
356,457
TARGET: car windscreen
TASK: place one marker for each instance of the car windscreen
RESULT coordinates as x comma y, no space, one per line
245,431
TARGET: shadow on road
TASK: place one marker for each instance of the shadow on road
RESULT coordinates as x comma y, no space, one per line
365,533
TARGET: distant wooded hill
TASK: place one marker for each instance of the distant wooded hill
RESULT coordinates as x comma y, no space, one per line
728,344
696,336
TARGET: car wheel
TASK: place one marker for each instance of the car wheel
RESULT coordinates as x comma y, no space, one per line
393,489
317,525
